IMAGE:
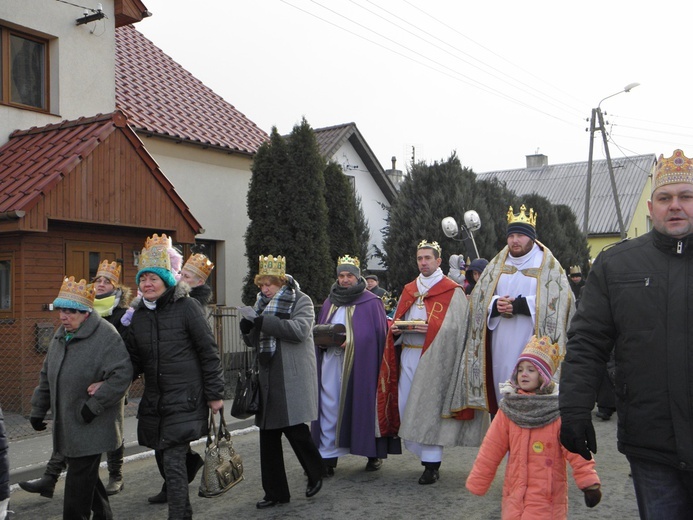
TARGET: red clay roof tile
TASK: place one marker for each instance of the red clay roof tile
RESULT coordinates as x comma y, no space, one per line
161,97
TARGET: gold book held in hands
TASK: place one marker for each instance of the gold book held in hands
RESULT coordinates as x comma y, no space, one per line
408,324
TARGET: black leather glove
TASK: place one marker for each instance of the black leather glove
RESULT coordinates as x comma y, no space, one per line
577,435
87,414
246,326
37,423
592,496
520,306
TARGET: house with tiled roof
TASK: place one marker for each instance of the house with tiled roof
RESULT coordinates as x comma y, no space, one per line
567,184
203,144
95,157
345,145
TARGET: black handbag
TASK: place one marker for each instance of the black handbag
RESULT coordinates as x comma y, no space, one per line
246,401
223,467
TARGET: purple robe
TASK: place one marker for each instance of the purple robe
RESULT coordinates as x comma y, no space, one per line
357,410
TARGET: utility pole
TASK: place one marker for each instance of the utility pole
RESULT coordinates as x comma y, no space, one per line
598,118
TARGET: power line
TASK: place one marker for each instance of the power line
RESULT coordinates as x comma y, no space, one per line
462,77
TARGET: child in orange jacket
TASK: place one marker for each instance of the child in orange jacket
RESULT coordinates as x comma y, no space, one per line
528,426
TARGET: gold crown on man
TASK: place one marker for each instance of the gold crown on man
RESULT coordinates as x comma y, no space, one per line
431,245
672,170
523,217
272,266
77,291
199,265
347,259
110,271
575,269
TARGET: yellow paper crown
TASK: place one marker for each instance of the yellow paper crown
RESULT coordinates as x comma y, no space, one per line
110,271
544,350
155,253
431,245
79,292
199,265
271,266
672,170
346,259
575,269
522,217
158,241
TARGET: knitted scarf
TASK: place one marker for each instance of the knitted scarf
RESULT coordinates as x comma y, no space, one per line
279,305
340,296
530,410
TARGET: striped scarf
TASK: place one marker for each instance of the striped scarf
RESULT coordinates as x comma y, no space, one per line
279,305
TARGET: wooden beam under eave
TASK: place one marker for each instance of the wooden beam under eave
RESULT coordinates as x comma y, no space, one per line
129,11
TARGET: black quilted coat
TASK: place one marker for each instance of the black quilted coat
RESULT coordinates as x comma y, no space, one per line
173,347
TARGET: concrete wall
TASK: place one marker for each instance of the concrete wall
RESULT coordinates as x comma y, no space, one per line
371,197
82,63
214,185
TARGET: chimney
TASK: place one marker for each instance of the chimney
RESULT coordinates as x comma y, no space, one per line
395,175
537,160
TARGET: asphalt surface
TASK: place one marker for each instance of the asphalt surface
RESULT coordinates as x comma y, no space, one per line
391,493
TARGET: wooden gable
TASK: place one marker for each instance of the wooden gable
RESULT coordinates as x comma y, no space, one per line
91,171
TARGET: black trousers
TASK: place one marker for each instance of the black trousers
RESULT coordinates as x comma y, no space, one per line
84,491
176,477
193,461
272,467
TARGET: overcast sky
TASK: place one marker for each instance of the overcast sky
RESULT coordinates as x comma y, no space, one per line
493,81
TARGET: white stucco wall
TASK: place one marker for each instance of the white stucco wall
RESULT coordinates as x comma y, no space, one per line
214,185
371,197
82,64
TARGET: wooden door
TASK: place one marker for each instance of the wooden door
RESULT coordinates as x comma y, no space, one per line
83,258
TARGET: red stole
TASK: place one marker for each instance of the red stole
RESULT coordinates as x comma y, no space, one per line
437,301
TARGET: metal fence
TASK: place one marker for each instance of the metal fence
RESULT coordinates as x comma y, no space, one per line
24,343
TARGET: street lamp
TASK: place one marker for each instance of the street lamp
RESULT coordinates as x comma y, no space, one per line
472,223
597,116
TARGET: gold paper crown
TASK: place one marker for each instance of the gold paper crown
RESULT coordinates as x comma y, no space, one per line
575,269
199,265
545,350
431,245
346,259
271,266
155,253
522,217
158,241
80,292
110,271
675,169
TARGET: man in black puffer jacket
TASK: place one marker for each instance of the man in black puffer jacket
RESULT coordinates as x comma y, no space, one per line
638,301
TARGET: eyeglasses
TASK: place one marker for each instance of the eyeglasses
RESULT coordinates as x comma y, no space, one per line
65,310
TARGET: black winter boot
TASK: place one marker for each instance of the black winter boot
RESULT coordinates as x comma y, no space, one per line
430,474
45,485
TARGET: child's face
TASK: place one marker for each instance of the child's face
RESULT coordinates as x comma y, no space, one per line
528,378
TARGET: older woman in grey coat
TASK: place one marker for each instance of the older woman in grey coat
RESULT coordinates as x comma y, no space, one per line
88,417
282,335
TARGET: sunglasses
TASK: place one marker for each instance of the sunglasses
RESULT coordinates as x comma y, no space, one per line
65,310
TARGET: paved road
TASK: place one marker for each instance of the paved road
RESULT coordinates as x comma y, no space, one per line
352,494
